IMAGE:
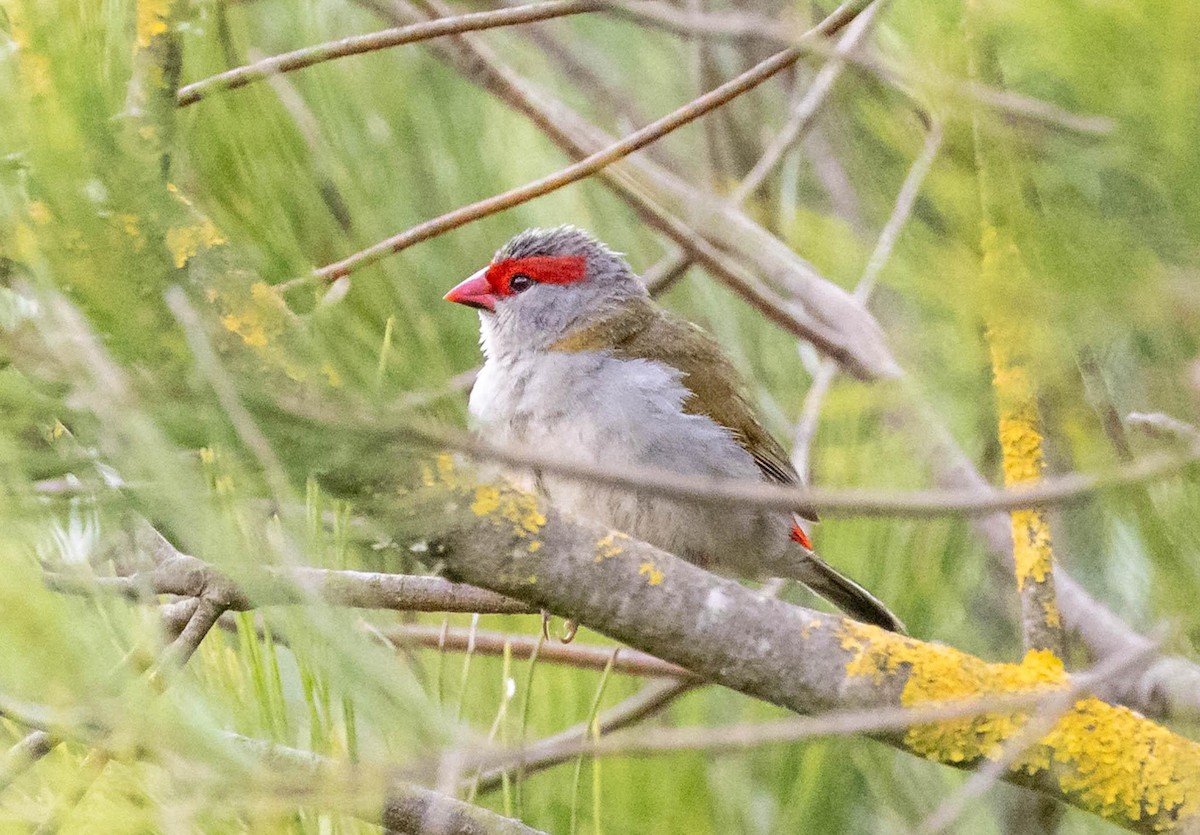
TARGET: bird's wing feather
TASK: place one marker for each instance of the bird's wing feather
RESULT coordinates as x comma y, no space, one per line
715,388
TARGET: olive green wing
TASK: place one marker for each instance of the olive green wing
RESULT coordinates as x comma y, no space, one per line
716,389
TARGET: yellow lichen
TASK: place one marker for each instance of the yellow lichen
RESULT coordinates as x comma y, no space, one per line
534,546
257,315
654,576
487,499
446,472
1110,759
151,20
442,472
509,508
184,242
129,223
1020,437
607,547
808,629
1032,552
248,326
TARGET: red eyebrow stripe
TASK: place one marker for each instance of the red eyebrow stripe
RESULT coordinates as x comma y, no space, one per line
545,269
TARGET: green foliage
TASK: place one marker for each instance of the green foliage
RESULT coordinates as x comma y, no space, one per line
269,181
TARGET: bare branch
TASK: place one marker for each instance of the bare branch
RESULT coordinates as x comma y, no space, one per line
572,173
1065,489
727,238
1163,426
361,44
805,113
630,662
810,412
187,576
198,626
406,807
562,747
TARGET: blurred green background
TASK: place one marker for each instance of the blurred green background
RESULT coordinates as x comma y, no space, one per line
318,164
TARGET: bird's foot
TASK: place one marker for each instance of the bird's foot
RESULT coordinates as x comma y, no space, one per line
570,627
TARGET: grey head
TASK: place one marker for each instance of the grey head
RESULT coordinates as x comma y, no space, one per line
542,285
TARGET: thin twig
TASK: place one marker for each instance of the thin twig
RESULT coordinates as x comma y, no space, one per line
730,240
24,753
203,619
561,747
802,118
747,26
209,366
591,657
835,723
906,198
190,577
930,503
1164,426
805,113
692,24
572,173
361,44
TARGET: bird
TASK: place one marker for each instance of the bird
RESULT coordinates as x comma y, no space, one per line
582,365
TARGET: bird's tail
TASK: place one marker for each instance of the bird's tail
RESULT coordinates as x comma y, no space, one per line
846,594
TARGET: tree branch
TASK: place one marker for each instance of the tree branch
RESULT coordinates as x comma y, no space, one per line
932,503
189,577
719,236
407,808
577,171
361,44
1097,757
563,746
630,662
906,198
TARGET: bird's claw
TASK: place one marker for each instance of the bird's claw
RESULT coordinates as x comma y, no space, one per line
570,627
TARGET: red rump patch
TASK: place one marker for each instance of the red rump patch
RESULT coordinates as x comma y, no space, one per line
798,535
544,269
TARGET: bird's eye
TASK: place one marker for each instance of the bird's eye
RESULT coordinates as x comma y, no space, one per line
520,282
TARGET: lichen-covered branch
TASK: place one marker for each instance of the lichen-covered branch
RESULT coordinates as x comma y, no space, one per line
1005,278
1167,687
157,61
1021,443
1099,757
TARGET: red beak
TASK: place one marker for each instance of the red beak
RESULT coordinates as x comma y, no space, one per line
474,292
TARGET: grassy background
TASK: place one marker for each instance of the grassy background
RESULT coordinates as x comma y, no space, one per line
1108,225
